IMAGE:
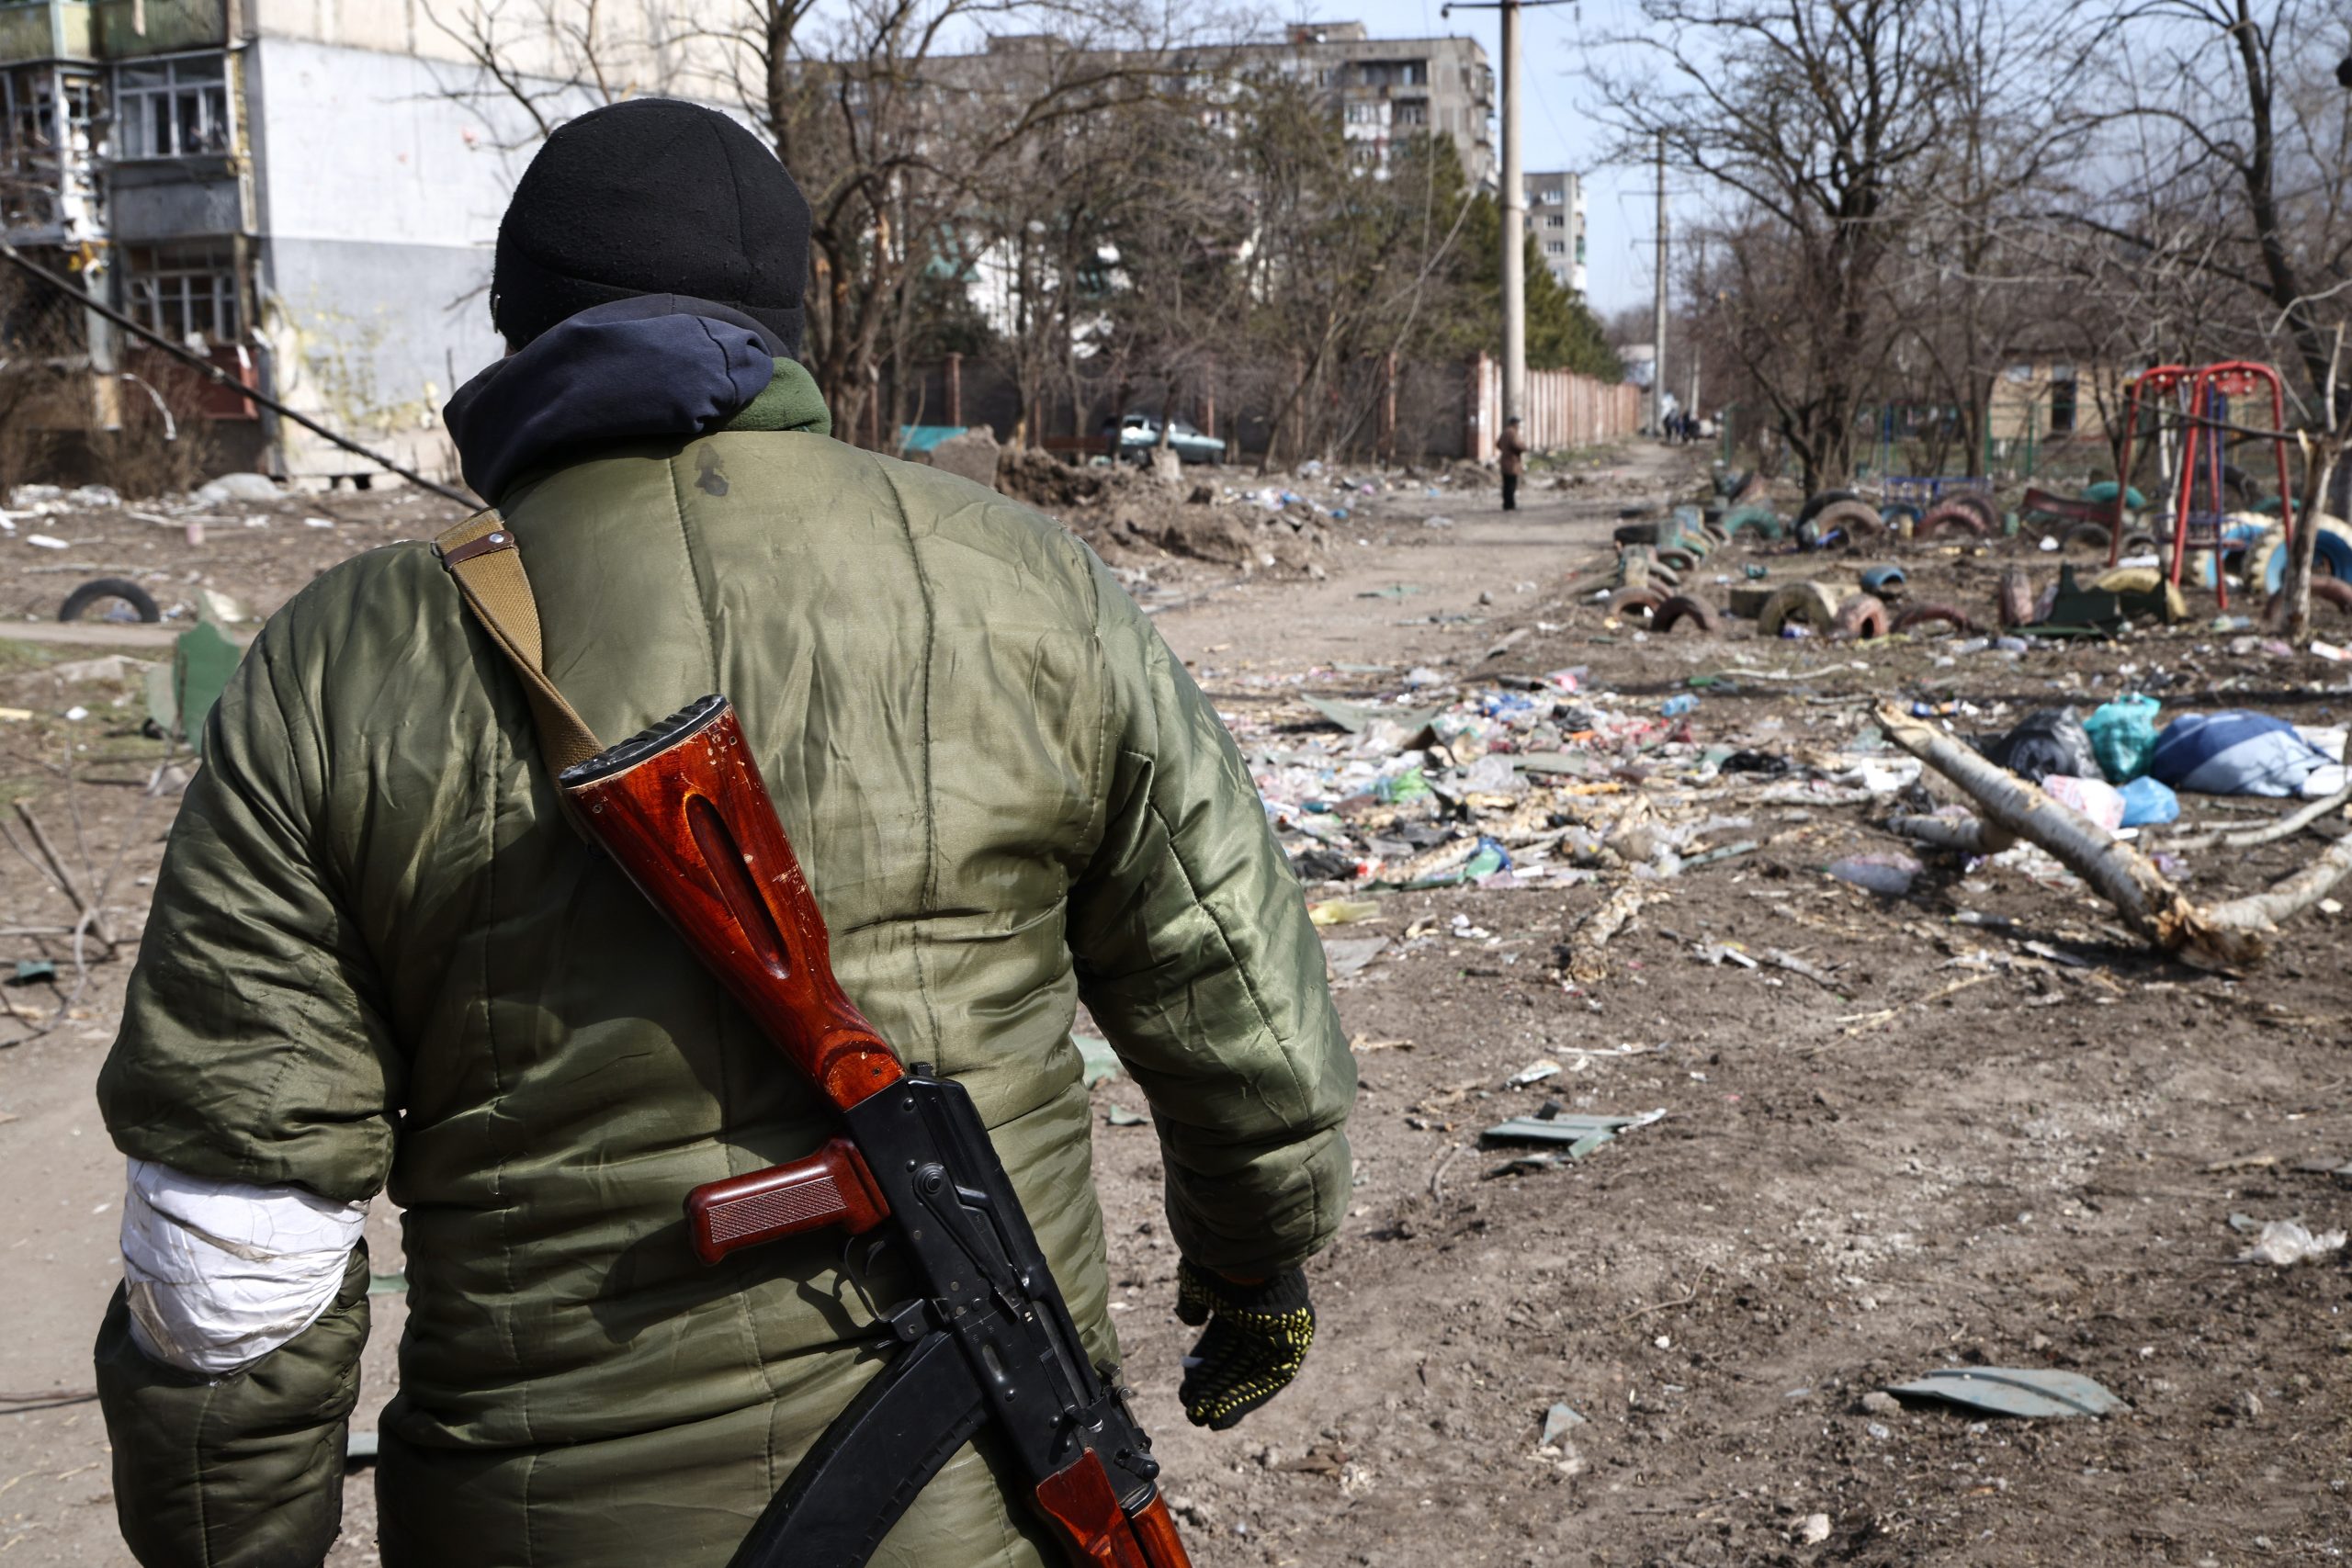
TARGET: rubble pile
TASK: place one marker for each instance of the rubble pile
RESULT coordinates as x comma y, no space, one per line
1132,515
1525,782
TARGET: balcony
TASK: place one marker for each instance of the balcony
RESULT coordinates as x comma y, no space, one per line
46,30
129,29
108,29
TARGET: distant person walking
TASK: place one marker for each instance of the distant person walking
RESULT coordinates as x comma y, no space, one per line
1513,453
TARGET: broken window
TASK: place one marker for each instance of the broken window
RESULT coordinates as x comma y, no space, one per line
188,293
173,108
46,172
2062,403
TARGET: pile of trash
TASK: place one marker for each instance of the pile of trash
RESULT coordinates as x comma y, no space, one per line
1534,781
2120,770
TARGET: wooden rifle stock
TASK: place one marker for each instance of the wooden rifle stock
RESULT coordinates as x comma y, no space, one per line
683,811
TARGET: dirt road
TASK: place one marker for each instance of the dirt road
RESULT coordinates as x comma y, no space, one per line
1993,1134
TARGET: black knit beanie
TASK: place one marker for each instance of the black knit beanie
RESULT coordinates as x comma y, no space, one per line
654,196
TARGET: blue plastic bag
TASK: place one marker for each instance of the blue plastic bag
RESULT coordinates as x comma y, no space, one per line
2234,752
2148,804
2124,733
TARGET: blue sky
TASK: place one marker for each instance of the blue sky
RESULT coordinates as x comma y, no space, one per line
1620,209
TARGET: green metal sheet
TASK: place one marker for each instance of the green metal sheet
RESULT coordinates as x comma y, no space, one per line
2030,1393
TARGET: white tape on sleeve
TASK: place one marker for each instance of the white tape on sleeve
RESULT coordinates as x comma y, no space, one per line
218,1274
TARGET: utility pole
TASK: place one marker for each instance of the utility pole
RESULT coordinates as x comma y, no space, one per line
1514,227
1514,201
1657,314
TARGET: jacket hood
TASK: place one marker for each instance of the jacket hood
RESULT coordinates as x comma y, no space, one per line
651,366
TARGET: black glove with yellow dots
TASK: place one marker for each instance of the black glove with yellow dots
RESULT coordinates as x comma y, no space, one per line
1257,1337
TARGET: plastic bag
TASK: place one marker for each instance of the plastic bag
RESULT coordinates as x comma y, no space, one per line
2147,804
2124,733
2095,798
2234,752
2049,741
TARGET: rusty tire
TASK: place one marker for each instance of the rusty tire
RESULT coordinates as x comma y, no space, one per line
2095,535
1680,608
1983,506
1928,615
1678,558
1714,532
1814,505
1861,617
2324,591
1807,603
1949,514
1638,600
1860,519
2015,597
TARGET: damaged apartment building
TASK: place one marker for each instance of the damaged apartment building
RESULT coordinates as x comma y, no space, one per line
303,192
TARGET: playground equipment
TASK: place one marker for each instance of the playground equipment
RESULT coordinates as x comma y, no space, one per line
2189,412
2206,427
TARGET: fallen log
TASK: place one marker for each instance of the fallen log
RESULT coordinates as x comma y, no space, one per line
2221,936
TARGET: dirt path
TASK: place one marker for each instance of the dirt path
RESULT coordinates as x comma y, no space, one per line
1426,582
1997,1134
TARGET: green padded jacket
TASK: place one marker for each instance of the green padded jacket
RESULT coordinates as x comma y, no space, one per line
379,960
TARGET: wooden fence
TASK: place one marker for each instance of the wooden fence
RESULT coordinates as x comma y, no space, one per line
1564,409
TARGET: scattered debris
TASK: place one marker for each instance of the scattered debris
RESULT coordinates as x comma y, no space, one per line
2285,1243
2229,935
2027,1393
1097,1062
1581,1132
1559,1421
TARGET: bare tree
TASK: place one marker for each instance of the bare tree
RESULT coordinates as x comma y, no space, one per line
1821,123
884,123
2235,138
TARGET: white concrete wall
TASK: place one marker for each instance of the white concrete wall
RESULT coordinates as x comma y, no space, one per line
640,43
379,199
384,157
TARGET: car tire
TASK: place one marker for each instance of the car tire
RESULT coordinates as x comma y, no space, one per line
1807,603
1861,617
1680,608
98,590
1929,614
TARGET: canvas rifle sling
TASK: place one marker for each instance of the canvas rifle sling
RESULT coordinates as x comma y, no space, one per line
480,553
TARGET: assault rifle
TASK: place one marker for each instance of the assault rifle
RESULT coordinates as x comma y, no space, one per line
987,1341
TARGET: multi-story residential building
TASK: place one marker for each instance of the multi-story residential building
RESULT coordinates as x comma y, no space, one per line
1385,89
1556,218
303,191
1391,88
